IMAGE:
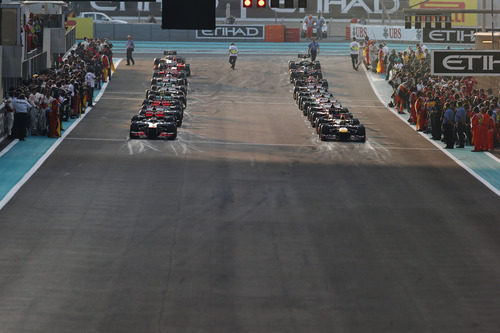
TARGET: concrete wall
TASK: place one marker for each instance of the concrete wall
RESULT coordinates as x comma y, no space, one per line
153,32
141,32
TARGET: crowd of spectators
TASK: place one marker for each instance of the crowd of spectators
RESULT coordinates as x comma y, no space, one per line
451,109
40,105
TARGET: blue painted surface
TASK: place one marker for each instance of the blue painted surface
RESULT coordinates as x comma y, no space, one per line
23,156
212,47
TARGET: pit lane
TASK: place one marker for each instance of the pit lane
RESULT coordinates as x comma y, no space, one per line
248,222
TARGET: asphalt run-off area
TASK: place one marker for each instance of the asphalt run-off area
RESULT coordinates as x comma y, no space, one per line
247,222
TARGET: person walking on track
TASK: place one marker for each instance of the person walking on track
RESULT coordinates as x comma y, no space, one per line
130,49
314,49
233,55
354,53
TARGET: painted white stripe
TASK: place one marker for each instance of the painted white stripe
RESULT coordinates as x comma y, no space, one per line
124,98
98,139
493,156
49,152
9,147
425,136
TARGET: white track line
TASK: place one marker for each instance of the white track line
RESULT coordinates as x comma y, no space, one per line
425,136
49,152
9,147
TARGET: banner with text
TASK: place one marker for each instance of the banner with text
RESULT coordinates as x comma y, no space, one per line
386,33
458,19
452,36
233,32
465,62
330,9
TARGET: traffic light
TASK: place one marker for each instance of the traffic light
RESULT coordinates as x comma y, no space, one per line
288,3
275,3
261,3
302,3
247,3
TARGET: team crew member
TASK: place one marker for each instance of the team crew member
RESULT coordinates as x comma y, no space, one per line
448,125
309,25
90,81
233,55
130,49
314,49
354,53
460,120
21,107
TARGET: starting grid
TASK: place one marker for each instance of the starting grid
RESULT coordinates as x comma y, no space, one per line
255,48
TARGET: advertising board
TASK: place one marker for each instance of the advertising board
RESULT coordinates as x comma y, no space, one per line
450,36
331,9
233,32
458,19
386,33
465,62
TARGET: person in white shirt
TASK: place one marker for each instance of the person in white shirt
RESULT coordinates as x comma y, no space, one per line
10,113
233,55
21,107
90,82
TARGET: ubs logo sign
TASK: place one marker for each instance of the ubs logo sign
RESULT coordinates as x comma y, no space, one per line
455,35
463,63
233,32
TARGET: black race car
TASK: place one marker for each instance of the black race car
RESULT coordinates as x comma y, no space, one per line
343,130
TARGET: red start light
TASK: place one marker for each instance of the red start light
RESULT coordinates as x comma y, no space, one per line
261,3
247,3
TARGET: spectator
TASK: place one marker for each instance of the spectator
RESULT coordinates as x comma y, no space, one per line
21,107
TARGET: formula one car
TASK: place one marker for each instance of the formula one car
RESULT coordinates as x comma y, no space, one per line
343,130
163,109
172,60
325,113
161,127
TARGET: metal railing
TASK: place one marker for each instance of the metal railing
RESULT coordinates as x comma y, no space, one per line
70,38
34,65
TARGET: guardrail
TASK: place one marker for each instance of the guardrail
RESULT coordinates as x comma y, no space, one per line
34,65
70,38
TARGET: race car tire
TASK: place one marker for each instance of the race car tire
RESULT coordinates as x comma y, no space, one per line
362,132
355,121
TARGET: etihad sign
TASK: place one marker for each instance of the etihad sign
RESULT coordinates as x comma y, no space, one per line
454,35
370,7
233,32
459,63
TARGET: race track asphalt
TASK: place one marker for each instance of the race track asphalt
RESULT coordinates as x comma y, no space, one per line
248,223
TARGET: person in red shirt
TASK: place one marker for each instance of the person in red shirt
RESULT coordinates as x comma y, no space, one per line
475,123
491,131
469,83
482,132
